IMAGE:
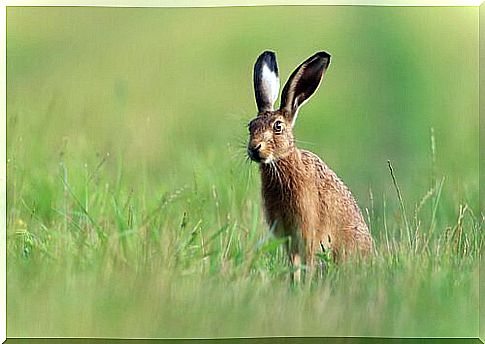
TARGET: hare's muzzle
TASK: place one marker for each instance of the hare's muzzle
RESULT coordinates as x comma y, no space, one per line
254,152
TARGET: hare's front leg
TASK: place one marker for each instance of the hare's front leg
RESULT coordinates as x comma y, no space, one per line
301,253
295,260
310,249
296,255
307,248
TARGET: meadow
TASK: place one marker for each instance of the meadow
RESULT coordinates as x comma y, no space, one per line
131,208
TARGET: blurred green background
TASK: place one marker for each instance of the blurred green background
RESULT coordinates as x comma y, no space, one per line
158,85
120,106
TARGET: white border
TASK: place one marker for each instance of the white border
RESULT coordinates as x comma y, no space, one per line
226,3
3,174
132,3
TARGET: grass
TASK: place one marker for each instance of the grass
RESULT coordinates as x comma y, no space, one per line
116,263
131,211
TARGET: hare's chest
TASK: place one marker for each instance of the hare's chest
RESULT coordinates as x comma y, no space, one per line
286,209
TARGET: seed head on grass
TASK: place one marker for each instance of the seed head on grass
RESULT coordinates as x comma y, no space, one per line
401,203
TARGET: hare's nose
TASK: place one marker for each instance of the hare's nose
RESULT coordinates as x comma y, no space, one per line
255,148
253,152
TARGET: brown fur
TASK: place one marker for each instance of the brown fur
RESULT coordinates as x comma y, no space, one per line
303,198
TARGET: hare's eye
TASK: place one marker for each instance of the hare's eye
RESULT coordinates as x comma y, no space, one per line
278,126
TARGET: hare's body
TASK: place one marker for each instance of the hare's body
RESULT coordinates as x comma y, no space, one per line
306,201
303,198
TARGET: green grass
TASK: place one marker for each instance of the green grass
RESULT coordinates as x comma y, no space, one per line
131,211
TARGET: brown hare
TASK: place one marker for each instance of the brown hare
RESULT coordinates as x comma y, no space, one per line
303,198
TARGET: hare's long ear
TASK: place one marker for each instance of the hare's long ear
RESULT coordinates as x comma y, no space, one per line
266,81
303,82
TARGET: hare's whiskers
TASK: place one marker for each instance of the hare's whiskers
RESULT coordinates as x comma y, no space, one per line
277,172
304,142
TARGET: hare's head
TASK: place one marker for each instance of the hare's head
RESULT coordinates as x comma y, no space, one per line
271,132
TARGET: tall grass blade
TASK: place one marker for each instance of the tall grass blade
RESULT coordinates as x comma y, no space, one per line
401,204
435,206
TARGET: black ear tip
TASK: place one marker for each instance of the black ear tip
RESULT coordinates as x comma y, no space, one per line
268,54
323,55
268,57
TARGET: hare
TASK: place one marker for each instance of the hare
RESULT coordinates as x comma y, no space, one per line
302,197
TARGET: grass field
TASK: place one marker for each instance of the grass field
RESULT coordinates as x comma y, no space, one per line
131,211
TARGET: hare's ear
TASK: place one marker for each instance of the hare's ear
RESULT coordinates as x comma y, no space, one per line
266,81
303,82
